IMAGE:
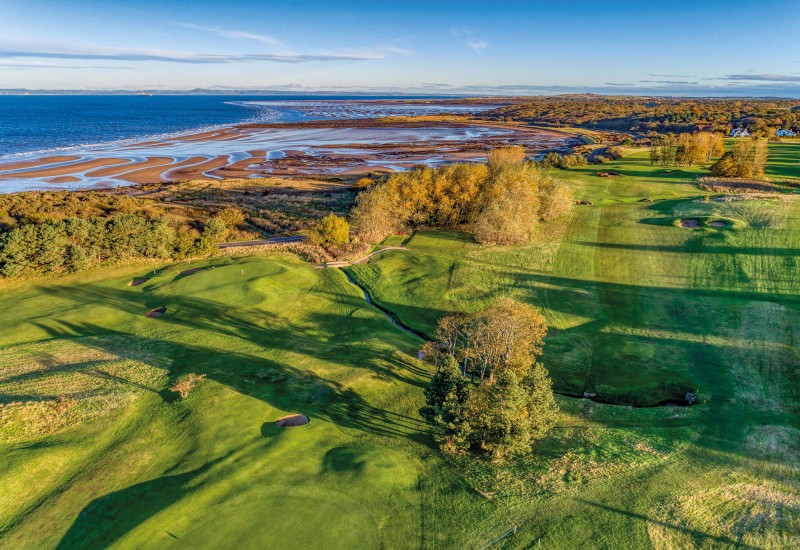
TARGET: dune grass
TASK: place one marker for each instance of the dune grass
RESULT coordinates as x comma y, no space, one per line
98,452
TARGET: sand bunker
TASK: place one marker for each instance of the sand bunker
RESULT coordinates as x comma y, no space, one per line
691,224
292,420
157,312
718,223
138,281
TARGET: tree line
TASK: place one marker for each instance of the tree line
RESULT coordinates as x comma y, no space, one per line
686,149
488,394
500,202
645,115
746,159
74,244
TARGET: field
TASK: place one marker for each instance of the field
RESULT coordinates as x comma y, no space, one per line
784,160
98,452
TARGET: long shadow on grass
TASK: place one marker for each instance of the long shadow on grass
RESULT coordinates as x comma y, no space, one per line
753,251
281,385
336,338
699,536
108,518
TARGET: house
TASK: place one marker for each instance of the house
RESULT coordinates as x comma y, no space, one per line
739,132
785,133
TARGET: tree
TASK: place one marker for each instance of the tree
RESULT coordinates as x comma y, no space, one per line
718,145
505,336
498,202
513,404
497,417
654,155
514,154
375,216
541,405
746,159
331,229
551,161
555,200
445,396
509,214
724,167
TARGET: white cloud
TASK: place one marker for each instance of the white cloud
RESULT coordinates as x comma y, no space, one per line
467,37
234,35
91,52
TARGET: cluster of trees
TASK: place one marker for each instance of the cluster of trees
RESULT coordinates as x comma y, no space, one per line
500,202
38,207
488,394
746,159
73,244
553,160
686,149
653,114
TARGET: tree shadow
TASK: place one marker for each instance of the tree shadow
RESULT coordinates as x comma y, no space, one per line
699,537
108,518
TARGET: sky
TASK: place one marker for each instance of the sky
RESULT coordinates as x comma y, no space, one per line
671,47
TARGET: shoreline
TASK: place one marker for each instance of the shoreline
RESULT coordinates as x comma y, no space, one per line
332,147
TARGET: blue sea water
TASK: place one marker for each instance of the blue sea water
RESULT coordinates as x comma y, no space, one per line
50,124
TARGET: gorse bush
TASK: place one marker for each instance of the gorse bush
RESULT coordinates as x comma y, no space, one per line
499,202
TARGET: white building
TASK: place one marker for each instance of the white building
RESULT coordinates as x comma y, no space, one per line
785,133
739,132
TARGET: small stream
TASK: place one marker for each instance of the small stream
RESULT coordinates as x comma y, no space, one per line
386,312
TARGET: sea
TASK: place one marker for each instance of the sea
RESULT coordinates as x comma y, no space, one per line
34,125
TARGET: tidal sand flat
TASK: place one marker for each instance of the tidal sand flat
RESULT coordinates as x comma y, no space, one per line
291,149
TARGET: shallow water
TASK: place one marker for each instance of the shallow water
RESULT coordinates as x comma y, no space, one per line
137,128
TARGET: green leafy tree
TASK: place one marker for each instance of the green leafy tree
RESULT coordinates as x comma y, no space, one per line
551,161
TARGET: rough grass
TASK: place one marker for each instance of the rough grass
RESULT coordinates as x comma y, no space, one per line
97,452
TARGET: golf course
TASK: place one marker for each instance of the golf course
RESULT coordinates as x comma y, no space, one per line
138,404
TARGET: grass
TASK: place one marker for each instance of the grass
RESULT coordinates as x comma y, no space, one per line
98,452
784,160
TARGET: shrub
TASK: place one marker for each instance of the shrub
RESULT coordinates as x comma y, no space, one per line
331,229
506,155
569,161
555,200
185,384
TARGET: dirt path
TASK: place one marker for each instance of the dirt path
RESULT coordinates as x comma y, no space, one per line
263,242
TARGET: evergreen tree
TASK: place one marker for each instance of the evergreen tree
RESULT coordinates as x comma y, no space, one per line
445,396
498,417
542,410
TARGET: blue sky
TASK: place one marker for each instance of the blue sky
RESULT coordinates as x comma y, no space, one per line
503,47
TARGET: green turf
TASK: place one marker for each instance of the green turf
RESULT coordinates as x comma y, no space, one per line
784,160
96,452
